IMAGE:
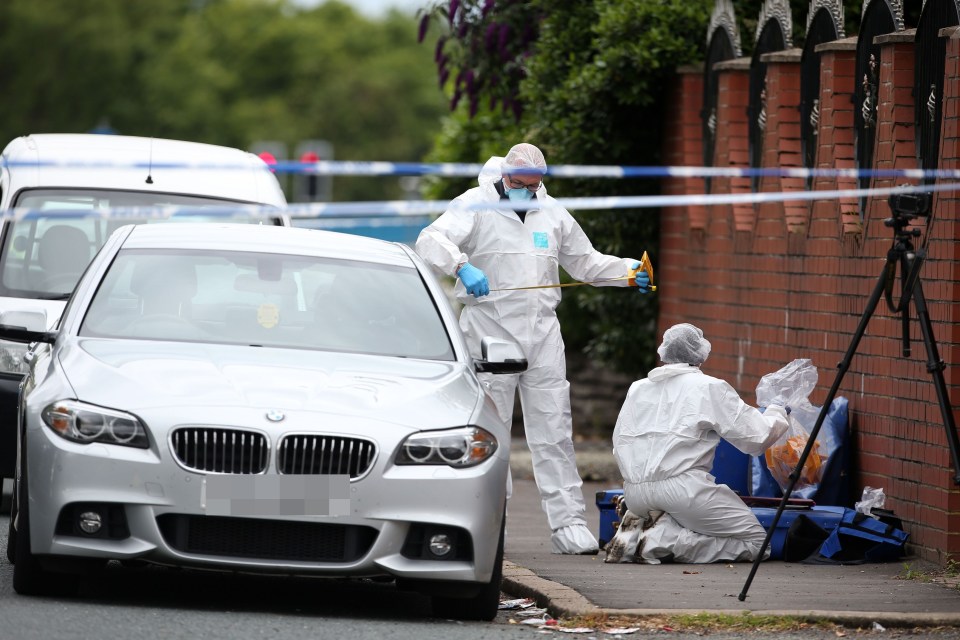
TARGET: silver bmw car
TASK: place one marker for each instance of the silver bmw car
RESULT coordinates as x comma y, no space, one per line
260,399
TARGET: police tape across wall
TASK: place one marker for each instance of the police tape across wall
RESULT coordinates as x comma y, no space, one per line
424,207
471,170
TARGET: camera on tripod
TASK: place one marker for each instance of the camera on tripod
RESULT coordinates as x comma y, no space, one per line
910,205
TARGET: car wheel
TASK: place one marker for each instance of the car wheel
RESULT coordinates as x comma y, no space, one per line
29,577
485,604
11,531
5,501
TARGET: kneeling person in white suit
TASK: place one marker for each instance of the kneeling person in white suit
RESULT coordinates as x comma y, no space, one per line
664,442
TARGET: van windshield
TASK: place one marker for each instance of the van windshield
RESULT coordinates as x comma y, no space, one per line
43,256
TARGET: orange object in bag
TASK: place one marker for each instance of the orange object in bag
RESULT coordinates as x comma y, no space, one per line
783,457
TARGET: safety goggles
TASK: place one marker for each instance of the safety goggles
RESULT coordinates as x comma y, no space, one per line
514,183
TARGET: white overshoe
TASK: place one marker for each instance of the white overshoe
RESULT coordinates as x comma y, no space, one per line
575,539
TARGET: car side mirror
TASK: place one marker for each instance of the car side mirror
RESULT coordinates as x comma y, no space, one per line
25,326
500,356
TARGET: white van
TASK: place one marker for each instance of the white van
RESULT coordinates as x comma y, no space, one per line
43,256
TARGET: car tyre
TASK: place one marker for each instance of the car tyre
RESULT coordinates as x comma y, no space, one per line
11,531
5,501
482,606
29,577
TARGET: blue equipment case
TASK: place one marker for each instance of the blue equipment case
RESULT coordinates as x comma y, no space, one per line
607,504
827,518
732,468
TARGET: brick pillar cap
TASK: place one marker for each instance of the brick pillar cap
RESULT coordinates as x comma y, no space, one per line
737,64
950,32
845,44
689,68
897,37
787,55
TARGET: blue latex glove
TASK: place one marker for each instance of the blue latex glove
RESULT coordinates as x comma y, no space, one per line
643,280
474,280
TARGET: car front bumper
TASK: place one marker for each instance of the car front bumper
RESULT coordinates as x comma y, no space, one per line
385,505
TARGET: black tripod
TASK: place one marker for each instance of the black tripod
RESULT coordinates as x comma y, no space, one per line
905,207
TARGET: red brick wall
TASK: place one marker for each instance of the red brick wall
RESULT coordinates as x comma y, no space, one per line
772,283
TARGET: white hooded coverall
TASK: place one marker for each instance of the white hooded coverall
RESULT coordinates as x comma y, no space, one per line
664,443
517,254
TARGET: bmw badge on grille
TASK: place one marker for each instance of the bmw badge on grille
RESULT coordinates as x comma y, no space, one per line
275,415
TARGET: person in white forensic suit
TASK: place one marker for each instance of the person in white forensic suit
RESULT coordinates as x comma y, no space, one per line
491,243
664,442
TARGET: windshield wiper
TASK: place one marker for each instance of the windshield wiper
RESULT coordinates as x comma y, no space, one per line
55,296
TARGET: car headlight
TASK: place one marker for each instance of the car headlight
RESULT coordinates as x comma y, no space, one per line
11,357
459,448
86,423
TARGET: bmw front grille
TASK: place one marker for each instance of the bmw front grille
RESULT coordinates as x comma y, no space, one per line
219,450
325,455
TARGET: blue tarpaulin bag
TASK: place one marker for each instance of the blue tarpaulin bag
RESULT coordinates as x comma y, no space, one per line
834,486
858,537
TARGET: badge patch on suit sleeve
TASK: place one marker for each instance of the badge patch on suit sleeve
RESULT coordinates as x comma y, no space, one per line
540,240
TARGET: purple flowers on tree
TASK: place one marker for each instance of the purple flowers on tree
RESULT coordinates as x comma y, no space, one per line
486,42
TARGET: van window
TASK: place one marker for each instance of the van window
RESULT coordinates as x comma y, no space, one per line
43,256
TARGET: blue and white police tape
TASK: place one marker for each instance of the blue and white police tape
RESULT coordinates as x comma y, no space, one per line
460,170
468,170
427,207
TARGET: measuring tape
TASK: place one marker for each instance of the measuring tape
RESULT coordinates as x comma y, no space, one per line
631,279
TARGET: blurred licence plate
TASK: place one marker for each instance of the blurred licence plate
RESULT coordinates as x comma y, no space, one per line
281,495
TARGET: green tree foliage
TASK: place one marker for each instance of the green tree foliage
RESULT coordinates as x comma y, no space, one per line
223,71
591,92
67,64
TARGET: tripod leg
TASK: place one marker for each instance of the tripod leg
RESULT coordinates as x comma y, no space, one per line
888,271
935,367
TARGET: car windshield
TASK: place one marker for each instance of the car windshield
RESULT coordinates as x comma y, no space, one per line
44,256
268,300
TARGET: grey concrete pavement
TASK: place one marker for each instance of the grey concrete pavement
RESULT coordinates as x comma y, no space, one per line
853,595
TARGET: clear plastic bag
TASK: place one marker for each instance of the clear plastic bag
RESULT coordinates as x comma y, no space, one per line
871,499
791,387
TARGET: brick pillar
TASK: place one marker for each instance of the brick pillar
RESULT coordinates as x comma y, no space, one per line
781,143
733,139
835,143
896,133
944,246
947,204
682,141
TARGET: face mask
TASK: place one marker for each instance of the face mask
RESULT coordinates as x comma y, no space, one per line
518,195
